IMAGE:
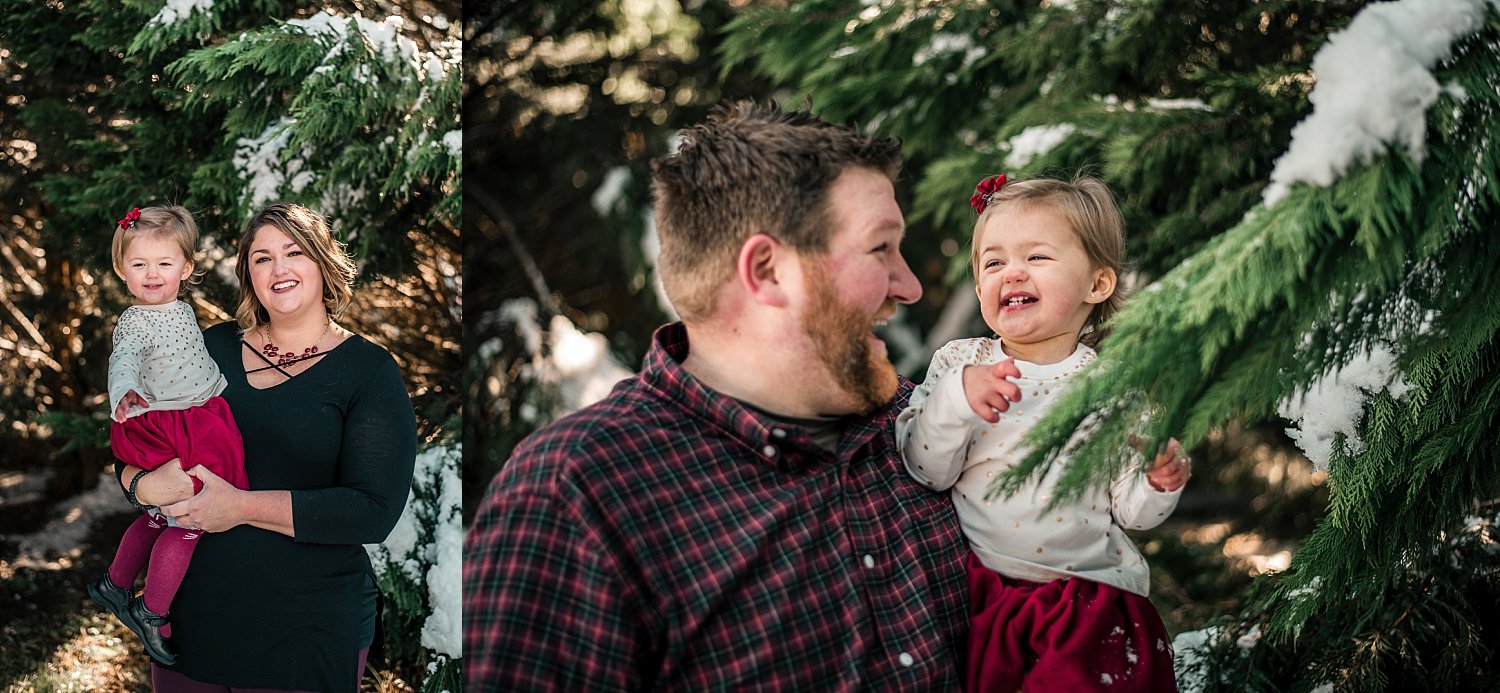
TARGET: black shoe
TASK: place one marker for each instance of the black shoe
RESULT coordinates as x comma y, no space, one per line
110,597
147,624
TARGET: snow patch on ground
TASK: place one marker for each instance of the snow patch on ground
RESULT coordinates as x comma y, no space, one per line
63,535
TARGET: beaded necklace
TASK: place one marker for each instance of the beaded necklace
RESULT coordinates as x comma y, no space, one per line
271,351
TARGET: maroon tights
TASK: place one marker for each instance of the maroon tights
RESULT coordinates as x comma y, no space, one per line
170,550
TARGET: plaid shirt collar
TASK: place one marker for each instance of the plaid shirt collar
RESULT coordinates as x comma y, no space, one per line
662,371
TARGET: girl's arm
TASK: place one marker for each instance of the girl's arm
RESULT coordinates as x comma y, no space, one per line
933,431
1136,503
132,341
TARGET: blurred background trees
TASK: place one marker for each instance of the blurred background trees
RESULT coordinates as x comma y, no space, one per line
566,104
1250,295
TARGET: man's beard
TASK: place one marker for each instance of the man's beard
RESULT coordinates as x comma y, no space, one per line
838,331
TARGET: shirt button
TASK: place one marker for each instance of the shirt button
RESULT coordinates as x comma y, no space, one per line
778,433
869,561
906,659
770,451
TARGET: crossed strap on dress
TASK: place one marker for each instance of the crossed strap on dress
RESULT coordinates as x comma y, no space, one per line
277,366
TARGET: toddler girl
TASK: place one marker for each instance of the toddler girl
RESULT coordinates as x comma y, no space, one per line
164,404
1058,597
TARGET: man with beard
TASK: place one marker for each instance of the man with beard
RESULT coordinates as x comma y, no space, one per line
736,516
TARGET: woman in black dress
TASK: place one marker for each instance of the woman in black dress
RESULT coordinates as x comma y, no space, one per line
280,594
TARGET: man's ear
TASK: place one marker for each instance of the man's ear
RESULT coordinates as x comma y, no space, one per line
1103,286
761,269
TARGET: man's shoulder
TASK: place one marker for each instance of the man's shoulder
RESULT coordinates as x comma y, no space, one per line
590,440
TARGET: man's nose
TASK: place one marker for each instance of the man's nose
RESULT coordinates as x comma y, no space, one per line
904,285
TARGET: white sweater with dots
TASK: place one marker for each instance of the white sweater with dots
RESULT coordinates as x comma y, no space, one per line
159,353
947,446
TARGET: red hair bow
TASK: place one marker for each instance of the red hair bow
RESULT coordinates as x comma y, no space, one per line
135,213
986,188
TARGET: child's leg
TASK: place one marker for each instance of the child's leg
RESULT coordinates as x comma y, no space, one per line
135,548
169,562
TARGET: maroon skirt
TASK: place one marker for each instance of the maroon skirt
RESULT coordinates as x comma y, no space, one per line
205,435
1064,635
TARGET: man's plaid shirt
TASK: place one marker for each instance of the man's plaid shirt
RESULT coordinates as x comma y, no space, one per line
669,538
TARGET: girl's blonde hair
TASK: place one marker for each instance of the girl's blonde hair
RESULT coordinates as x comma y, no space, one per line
310,232
171,221
1089,208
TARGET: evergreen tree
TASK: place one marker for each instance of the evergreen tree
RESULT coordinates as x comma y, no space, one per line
222,107
1282,267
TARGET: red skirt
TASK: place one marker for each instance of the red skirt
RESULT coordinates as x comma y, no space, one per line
1064,635
203,435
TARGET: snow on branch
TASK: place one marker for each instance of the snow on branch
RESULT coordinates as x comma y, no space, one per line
1036,141
1374,88
1334,404
177,11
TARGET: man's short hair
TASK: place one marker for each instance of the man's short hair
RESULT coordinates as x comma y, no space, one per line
750,169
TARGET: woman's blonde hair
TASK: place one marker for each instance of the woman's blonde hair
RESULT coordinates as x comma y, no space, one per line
170,221
1089,208
309,230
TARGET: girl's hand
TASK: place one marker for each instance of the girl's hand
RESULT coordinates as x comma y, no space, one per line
215,509
988,391
131,398
1172,468
165,484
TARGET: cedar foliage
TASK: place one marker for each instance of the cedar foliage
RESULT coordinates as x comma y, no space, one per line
107,107
118,110
1246,307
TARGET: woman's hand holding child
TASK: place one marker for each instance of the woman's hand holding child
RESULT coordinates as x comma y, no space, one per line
166,484
214,509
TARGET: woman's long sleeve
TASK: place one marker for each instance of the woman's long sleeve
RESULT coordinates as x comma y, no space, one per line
376,457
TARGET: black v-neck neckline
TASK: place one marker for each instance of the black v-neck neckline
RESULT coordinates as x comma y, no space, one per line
245,374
